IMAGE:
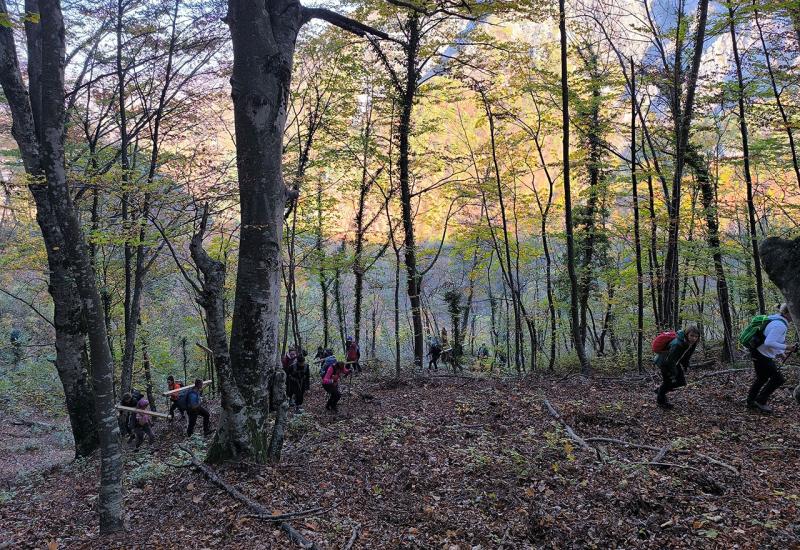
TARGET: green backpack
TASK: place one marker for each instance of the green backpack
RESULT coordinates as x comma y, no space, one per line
753,334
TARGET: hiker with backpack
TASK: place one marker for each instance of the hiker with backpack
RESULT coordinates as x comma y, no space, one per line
330,382
298,380
194,407
352,354
175,398
434,352
765,337
673,352
126,418
142,424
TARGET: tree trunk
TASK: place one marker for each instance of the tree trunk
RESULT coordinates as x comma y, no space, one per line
42,151
636,237
709,201
778,101
324,282
263,40
404,134
573,278
52,156
751,209
148,376
683,120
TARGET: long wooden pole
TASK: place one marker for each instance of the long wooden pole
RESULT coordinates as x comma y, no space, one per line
184,388
143,411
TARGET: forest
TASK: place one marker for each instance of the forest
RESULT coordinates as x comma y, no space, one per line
460,274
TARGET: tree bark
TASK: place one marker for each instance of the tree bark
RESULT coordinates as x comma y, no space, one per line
751,209
414,278
636,237
573,278
683,119
263,39
709,201
52,156
778,101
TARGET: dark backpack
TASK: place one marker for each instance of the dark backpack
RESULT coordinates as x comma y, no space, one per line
136,395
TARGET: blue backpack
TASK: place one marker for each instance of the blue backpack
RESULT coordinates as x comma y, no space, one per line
326,363
191,399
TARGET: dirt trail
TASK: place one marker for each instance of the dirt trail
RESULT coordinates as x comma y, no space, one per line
471,464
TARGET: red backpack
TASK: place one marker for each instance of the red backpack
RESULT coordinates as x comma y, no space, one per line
663,340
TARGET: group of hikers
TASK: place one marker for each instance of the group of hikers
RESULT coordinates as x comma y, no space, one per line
440,349
764,337
187,401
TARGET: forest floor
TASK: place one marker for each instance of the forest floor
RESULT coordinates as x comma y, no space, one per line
463,463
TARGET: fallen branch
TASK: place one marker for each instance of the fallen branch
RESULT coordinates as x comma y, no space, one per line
713,460
662,452
353,537
621,442
289,515
259,510
570,432
33,424
669,465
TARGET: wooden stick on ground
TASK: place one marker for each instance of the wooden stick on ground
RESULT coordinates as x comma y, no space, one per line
662,452
621,442
184,388
353,537
570,432
294,535
143,411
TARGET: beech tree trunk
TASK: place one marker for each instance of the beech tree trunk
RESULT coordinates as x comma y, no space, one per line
70,331
264,37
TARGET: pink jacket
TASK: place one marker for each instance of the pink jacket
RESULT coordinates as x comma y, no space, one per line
331,377
143,419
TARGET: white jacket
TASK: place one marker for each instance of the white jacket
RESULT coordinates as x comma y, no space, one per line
774,337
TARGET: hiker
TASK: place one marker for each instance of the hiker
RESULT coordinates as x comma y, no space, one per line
434,351
674,361
483,352
126,418
331,384
320,355
143,423
289,358
766,345
175,397
352,354
298,380
194,407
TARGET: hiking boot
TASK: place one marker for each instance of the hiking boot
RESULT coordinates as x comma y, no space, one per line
666,405
752,405
764,408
